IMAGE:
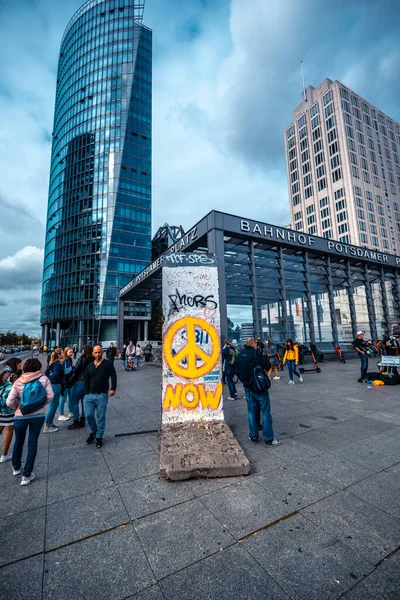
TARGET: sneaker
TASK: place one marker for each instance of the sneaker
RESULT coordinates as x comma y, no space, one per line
16,472
50,429
301,379
360,380
81,421
231,398
276,377
99,442
291,382
27,480
74,425
91,438
70,415
273,444
253,440
5,458
63,418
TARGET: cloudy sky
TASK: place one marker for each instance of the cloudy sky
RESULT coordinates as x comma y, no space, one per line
226,77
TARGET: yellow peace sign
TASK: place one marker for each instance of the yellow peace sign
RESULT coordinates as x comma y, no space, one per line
191,350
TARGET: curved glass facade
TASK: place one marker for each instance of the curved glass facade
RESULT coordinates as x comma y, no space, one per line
99,210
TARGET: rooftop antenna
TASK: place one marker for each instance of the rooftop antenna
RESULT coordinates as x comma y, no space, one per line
304,85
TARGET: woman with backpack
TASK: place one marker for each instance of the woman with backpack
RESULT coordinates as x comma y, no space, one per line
28,397
10,374
79,387
68,366
291,357
55,373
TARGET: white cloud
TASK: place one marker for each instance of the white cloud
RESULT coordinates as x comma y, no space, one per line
23,269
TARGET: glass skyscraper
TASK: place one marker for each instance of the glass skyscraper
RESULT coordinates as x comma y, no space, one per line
99,211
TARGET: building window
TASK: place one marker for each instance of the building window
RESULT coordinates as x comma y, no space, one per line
314,109
301,121
327,98
325,213
364,238
307,180
296,199
321,184
308,192
298,216
315,122
312,229
299,226
335,161
345,238
328,234
336,175
359,202
324,202
310,219
339,193
343,228
326,223
362,226
360,214
332,135
310,209
333,148
340,217
340,205
354,171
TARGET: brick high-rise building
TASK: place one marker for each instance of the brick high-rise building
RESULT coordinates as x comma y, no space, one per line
343,168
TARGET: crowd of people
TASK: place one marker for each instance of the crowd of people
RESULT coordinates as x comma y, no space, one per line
30,400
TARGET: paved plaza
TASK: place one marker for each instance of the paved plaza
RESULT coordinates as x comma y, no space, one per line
317,518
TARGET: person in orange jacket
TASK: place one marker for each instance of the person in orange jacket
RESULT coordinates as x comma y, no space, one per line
291,357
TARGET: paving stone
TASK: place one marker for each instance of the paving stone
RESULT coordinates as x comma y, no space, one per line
320,439
111,565
151,593
244,507
150,494
121,447
15,499
130,467
79,517
14,532
179,536
79,482
395,432
308,563
13,587
362,527
391,567
386,444
62,461
375,586
294,450
360,428
381,490
369,456
200,487
294,487
228,575
335,470
386,416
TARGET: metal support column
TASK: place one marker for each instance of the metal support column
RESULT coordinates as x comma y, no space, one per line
396,301
253,291
146,331
370,305
215,245
58,333
352,306
46,335
331,297
80,336
139,329
385,303
282,292
120,324
310,314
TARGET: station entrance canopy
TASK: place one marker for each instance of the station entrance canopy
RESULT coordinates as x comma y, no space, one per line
297,285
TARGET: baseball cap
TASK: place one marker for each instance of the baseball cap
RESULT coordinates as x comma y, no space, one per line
360,332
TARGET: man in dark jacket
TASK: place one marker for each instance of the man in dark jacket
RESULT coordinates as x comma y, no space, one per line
97,376
111,352
251,357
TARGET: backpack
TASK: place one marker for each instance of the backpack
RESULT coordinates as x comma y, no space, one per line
5,389
232,356
33,397
259,382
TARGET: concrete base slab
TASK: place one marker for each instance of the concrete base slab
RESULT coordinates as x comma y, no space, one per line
200,450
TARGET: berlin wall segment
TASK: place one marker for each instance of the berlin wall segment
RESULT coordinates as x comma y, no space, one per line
194,431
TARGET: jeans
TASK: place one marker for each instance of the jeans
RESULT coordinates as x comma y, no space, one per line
231,385
35,425
99,403
364,365
52,408
255,403
292,369
77,396
67,394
